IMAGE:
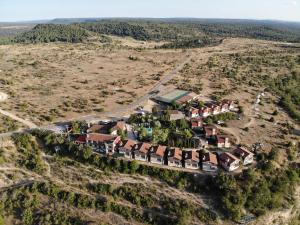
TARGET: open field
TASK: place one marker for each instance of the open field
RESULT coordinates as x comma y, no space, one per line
54,81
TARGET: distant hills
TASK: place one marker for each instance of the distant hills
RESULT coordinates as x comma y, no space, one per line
180,30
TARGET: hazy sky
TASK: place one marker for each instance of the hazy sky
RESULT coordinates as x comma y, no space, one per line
17,10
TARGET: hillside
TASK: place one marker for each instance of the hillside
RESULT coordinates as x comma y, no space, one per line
171,30
51,33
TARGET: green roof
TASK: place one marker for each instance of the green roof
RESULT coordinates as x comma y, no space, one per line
172,96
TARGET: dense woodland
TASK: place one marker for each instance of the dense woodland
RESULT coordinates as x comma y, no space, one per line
182,32
52,33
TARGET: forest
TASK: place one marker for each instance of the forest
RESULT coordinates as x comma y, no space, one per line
181,33
51,33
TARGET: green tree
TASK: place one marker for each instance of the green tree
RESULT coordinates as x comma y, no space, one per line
27,217
134,166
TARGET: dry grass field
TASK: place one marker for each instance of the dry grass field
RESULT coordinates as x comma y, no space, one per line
49,82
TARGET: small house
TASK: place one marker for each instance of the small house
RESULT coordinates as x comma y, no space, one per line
222,141
191,160
141,151
205,111
175,157
209,162
196,123
210,131
127,147
102,143
111,128
244,154
193,112
157,154
229,162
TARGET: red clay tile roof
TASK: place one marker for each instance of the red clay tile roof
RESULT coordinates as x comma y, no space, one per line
120,125
175,153
100,137
186,98
222,139
228,157
192,155
81,139
143,147
242,152
159,150
195,122
193,110
210,157
129,144
97,128
209,130
105,128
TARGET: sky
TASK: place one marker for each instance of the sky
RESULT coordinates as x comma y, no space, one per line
24,10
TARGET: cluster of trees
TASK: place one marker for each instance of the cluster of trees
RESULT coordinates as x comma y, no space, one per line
287,88
192,43
25,205
257,191
165,132
44,33
122,29
251,30
30,153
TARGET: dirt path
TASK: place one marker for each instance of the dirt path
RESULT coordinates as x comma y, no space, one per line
14,117
27,123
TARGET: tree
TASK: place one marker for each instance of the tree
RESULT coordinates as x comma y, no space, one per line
134,166
87,152
27,217
1,220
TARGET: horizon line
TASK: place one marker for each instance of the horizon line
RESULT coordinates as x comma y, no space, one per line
203,18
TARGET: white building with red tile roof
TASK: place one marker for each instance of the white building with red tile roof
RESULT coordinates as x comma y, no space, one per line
229,162
191,160
209,162
103,143
126,148
175,157
222,141
244,154
141,151
157,154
